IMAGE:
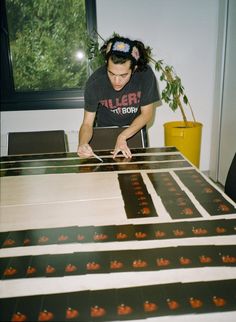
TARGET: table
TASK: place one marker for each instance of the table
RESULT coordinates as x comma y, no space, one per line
147,239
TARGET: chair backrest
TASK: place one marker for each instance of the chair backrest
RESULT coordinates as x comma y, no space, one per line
37,142
104,138
230,183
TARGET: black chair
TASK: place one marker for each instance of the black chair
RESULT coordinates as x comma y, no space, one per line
230,183
104,138
37,142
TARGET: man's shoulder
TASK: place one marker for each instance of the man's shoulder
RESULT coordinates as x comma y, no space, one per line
148,70
146,73
97,75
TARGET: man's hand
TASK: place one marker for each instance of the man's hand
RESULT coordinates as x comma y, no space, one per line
85,134
121,146
85,151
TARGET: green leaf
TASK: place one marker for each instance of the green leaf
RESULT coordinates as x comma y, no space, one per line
185,99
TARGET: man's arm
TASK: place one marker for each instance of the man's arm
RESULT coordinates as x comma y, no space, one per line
138,123
85,135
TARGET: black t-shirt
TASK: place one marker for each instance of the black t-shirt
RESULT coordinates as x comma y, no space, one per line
119,108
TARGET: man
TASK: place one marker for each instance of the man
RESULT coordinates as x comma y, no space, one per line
120,93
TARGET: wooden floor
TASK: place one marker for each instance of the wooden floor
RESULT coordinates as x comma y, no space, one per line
173,219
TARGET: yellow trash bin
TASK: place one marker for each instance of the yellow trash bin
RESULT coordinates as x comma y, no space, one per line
187,139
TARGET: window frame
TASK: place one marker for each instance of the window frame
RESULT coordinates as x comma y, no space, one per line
38,100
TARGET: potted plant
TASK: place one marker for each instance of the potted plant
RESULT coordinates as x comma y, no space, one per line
184,135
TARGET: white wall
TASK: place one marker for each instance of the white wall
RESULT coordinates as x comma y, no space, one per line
183,33
68,120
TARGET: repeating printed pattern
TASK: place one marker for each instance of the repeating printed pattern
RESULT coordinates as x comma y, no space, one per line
117,261
117,233
124,303
129,303
137,200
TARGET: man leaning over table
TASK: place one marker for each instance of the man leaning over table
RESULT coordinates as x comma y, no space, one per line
120,93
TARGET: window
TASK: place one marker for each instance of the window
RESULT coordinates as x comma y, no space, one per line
44,52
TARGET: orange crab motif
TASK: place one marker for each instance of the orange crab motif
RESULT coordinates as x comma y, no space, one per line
219,301
145,211
160,234
178,232
199,231
92,266
142,198
172,304
45,316
162,262
185,261
149,306
63,237
30,270
18,316
70,268
43,239
123,309
137,187
205,259
195,303
172,189
208,190
98,237
220,230
50,269
181,203
228,259
138,263
139,193
134,177
10,271
9,242
97,311
71,313
135,183
121,236
80,237
223,208
116,264
187,211
143,203
26,241
140,235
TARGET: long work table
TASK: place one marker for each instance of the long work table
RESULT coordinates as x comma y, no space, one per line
149,238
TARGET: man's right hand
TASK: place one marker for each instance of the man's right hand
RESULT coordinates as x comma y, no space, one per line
85,151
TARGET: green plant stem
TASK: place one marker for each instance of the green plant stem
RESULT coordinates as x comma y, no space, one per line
169,78
192,112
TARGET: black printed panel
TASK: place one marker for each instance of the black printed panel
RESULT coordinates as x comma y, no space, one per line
175,200
209,197
117,233
120,304
130,260
137,200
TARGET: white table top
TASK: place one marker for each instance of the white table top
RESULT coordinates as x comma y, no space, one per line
88,193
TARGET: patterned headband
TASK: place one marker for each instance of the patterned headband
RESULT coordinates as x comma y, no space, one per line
124,47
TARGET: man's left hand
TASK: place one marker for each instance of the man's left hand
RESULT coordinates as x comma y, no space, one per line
121,146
